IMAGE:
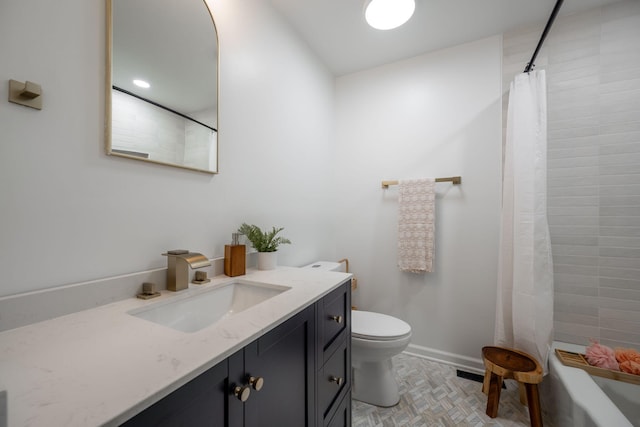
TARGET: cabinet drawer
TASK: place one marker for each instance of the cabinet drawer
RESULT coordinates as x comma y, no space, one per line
334,319
334,380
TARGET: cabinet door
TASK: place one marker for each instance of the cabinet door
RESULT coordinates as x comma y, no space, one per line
200,402
284,358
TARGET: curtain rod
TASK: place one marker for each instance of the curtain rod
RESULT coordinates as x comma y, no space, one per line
456,180
547,27
119,89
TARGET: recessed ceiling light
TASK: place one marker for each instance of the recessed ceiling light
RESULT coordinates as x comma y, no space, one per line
388,14
141,83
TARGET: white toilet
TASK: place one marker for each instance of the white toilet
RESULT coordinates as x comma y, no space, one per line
375,339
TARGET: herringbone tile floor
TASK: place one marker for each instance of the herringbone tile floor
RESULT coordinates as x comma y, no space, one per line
432,395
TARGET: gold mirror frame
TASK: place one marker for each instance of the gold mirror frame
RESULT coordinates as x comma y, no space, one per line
109,103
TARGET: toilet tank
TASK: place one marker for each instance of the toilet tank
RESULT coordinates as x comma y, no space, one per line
326,266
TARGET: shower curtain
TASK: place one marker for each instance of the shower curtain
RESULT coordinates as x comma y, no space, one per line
524,310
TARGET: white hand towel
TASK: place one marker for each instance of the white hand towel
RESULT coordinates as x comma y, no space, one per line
416,225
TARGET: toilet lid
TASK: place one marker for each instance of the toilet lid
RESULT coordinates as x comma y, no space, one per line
377,326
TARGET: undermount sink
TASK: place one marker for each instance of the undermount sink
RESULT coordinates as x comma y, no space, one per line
199,309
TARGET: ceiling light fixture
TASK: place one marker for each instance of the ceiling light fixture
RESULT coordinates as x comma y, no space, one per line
388,14
141,83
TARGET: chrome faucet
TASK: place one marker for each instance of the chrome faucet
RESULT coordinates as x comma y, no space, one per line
179,261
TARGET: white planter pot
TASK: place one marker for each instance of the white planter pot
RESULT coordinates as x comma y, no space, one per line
267,260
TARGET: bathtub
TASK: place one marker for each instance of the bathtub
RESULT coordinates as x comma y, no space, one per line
573,398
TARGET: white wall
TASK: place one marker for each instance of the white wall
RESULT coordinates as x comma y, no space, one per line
435,115
70,213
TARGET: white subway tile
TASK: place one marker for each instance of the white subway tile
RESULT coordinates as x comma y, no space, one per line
580,270
621,336
618,304
558,189
564,153
608,313
619,200
610,180
627,118
630,263
576,250
620,273
574,260
615,343
620,242
617,85
620,159
573,162
620,148
575,329
620,10
619,211
575,280
570,338
584,172
580,319
589,63
619,252
574,201
564,303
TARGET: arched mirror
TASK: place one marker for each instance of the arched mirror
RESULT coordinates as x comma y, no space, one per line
162,83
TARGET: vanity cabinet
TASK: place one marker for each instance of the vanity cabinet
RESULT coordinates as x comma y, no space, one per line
200,402
296,375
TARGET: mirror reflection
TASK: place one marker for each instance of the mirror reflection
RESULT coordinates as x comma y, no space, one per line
162,90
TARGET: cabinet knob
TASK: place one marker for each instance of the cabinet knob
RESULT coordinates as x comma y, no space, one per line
242,393
338,319
256,382
337,380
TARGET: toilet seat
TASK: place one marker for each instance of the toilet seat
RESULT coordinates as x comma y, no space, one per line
377,326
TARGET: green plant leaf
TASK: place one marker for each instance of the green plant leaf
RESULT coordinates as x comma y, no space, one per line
263,241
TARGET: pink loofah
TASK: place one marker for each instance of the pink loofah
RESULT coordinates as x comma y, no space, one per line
601,356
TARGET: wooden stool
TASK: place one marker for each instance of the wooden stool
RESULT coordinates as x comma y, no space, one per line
507,363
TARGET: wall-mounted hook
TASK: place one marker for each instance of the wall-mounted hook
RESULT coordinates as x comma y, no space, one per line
28,94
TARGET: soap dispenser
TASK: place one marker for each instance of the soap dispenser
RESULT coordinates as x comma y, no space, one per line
235,257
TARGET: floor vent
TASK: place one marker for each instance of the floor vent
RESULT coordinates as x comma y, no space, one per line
473,377
469,376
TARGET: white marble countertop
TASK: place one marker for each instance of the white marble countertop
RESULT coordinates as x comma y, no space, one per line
101,366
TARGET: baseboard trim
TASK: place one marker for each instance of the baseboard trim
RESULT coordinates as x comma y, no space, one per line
466,363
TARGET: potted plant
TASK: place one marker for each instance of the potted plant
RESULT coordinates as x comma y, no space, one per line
265,242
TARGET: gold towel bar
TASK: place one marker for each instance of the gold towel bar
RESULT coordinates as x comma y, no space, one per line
456,180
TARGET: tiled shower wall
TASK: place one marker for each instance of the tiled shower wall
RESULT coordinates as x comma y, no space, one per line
166,137
592,62
142,127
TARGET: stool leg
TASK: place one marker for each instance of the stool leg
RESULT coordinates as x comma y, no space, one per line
495,387
485,383
533,399
522,392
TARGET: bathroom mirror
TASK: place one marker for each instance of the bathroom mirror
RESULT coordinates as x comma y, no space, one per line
173,47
